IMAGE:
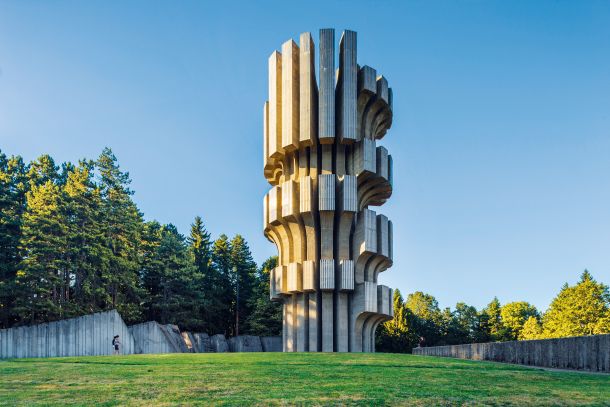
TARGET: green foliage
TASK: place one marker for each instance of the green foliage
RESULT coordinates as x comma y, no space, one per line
514,315
13,187
266,316
532,329
243,272
72,242
397,334
42,281
493,320
583,309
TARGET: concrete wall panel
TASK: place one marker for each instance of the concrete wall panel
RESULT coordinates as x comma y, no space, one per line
326,192
327,274
82,336
271,343
309,275
591,353
326,102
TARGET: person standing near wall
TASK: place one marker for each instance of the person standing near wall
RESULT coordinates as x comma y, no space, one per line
116,345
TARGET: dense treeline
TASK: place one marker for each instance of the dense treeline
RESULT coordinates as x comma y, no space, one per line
73,242
582,309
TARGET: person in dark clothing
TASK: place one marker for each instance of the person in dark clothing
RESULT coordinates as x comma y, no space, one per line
116,345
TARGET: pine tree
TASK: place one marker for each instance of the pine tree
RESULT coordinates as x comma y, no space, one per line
583,309
43,170
122,227
493,319
222,314
13,188
175,297
266,316
41,286
200,252
86,252
243,277
200,247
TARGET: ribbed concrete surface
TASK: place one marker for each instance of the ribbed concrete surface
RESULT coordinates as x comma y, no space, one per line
89,335
590,353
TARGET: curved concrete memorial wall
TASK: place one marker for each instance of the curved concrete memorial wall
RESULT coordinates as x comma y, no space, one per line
89,335
590,353
326,169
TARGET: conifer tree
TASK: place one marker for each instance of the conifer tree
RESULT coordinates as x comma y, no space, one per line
86,251
200,250
43,170
13,187
396,335
222,314
200,253
172,282
583,309
122,227
493,319
266,316
41,286
243,275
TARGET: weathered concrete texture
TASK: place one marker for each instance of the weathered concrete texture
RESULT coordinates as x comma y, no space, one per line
245,343
89,335
219,343
325,170
151,337
201,343
590,353
271,343
174,337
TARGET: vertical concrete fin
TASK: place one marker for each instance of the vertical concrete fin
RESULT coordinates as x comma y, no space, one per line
308,91
290,96
326,103
275,105
348,83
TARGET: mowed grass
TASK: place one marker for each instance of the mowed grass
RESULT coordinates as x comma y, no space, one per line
287,379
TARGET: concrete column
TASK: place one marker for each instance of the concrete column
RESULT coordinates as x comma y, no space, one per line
327,321
302,322
314,322
341,323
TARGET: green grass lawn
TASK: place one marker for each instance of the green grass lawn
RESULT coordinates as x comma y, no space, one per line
276,378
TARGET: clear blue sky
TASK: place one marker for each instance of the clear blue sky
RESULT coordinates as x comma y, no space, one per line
501,137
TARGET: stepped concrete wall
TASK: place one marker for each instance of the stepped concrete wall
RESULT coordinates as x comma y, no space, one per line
271,343
219,343
245,343
149,337
89,335
590,353
201,343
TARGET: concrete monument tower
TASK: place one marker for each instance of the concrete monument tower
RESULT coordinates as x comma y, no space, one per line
326,171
